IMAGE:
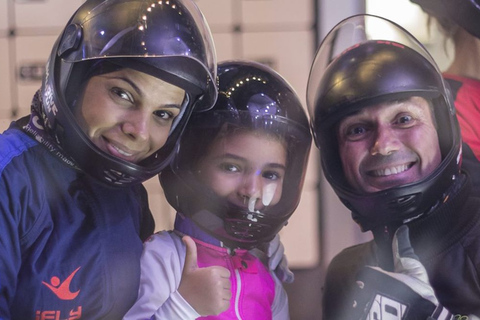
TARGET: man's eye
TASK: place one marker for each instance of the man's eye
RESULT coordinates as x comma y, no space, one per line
405,119
356,130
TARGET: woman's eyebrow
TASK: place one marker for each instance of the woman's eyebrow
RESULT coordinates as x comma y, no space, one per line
127,80
172,106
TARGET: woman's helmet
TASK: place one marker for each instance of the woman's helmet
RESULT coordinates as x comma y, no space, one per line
465,13
168,39
363,61
252,98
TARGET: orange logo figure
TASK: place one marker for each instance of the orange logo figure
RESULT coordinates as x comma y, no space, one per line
62,289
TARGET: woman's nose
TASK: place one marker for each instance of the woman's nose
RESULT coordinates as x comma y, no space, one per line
136,125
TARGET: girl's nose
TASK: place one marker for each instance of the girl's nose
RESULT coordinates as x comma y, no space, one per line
251,190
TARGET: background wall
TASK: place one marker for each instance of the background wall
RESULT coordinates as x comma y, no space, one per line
281,33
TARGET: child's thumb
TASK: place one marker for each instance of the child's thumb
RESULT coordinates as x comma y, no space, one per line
190,255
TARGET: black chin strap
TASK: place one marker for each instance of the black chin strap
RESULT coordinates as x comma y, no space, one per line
383,239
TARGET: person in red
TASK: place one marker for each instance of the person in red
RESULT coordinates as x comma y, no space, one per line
459,20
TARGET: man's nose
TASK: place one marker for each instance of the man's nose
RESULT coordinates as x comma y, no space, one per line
385,141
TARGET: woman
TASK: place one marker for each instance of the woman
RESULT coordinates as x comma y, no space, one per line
121,82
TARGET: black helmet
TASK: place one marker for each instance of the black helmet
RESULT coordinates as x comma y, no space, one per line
465,13
363,61
252,99
167,39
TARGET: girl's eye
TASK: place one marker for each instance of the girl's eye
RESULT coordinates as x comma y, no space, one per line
272,175
163,114
229,167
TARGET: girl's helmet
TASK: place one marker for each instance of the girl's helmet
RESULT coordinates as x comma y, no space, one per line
167,39
363,61
254,98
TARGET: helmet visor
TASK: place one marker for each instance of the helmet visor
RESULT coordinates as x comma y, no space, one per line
246,174
350,33
170,36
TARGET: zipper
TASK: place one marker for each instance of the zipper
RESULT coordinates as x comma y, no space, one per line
237,294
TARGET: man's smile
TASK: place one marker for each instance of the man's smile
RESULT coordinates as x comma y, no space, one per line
390,170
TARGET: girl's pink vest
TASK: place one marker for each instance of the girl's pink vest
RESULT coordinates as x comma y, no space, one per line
253,289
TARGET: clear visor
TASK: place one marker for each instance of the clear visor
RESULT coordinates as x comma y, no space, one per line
245,168
247,163
142,28
350,33
244,175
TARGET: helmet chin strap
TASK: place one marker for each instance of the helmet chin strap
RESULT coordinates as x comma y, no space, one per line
384,238
383,234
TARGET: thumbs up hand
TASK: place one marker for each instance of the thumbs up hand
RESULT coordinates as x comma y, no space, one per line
207,290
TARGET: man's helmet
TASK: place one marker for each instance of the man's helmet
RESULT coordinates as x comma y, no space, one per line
166,39
465,13
366,60
252,98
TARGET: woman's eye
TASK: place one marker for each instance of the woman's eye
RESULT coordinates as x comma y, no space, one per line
163,114
122,94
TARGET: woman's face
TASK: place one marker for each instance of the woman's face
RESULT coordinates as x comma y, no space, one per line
128,114
246,168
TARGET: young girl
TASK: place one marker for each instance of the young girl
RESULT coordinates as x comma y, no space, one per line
235,182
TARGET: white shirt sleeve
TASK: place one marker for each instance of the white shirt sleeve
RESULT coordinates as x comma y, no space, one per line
280,309
161,266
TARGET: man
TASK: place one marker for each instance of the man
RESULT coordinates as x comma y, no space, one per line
384,121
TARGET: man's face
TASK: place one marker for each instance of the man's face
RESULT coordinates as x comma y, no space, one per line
388,145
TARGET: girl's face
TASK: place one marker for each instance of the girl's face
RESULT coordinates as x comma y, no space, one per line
128,114
246,168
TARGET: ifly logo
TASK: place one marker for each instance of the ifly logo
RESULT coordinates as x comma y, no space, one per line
62,288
